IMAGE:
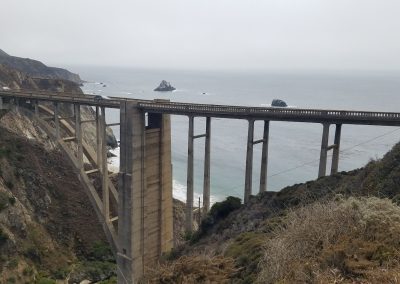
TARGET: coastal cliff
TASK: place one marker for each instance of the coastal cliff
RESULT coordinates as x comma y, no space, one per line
37,69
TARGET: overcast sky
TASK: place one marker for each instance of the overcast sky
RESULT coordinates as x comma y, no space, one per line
210,34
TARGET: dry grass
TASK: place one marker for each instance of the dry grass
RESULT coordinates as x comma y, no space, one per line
355,239
193,269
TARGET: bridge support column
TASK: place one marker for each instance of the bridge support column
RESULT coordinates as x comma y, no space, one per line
130,194
249,162
324,150
264,158
336,149
36,106
189,191
57,120
207,162
104,166
78,135
145,213
98,139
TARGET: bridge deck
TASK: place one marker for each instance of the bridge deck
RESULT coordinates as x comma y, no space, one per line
224,111
275,114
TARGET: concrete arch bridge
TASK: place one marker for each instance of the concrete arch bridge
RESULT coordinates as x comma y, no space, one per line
137,216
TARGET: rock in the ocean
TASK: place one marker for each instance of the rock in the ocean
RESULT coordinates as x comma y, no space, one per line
164,87
278,103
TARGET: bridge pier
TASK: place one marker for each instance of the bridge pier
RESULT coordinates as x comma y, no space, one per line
36,106
207,162
249,162
145,221
264,158
325,148
78,135
336,149
104,166
190,164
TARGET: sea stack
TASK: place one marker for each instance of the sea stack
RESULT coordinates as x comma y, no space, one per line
164,87
278,103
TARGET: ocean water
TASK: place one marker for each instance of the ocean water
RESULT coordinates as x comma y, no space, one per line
294,148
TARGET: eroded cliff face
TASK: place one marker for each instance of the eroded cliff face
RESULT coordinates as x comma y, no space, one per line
47,224
17,80
37,69
48,228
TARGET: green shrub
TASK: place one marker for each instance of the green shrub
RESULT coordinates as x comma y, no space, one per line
9,184
101,251
217,213
221,209
13,263
5,152
3,237
11,200
11,280
28,271
3,201
44,280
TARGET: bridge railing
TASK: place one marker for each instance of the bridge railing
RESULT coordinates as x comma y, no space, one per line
273,111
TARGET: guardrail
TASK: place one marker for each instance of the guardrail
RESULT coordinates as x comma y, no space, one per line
244,111
229,111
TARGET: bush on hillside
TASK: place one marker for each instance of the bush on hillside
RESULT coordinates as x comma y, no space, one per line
353,239
193,269
219,211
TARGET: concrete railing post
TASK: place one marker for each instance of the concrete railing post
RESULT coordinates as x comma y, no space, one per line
336,149
189,192
249,162
207,163
264,158
324,150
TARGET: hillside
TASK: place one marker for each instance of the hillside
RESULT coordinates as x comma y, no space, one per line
37,69
337,229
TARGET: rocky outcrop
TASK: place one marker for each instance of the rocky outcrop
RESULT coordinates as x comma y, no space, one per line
164,87
37,69
278,103
17,80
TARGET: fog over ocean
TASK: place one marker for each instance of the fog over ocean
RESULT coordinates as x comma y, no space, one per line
294,148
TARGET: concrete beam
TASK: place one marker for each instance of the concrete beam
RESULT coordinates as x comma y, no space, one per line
264,158
336,149
324,150
207,165
190,165
249,162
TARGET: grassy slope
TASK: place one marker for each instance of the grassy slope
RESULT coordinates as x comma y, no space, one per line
244,233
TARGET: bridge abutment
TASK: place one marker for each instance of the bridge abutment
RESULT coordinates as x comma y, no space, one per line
145,224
